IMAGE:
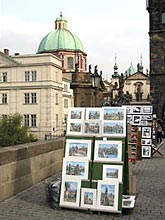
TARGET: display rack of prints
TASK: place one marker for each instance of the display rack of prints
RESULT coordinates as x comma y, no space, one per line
140,118
94,159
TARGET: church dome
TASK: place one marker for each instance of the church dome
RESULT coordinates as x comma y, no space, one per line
60,39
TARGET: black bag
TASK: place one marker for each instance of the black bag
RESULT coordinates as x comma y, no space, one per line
53,193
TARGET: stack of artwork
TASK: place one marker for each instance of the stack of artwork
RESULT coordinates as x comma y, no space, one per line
92,173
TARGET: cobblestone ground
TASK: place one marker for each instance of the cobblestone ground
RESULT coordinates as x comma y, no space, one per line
150,201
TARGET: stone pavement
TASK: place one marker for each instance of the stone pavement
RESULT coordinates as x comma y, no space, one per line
150,201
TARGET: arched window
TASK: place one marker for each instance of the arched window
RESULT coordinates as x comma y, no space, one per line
70,63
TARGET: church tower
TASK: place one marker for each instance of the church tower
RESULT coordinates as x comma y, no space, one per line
156,9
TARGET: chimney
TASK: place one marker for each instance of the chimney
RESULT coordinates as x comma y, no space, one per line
6,51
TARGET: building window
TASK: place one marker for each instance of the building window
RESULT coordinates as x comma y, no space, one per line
27,76
163,18
26,120
65,103
70,63
30,98
33,120
4,77
56,120
65,88
30,120
56,97
30,76
27,98
4,98
34,75
33,98
56,76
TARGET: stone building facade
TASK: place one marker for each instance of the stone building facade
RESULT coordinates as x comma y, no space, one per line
156,9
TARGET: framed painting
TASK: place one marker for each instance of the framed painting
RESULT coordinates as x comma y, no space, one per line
75,168
146,132
92,127
88,198
70,193
146,141
147,109
112,172
128,109
114,128
146,151
129,119
128,202
136,109
76,113
114,113
74,127
136,120
109,151
78,148
107,195
93,114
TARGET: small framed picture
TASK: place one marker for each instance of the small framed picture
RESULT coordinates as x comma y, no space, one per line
146,151
114,128
93,113
114,113
75,168
70,193
136,109
76,113
129,119
128,109
88,198
92,127
110,151
147,109
75,127
78,148
146,132
112,172
128,202
136,120
146,141
107,195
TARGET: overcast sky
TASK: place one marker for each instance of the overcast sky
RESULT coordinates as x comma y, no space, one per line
105,27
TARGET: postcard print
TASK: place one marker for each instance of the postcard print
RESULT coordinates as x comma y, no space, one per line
108,151
114,113
92,127
108,192
93,113
74,167
136,109
78,148
70,193
88,198
114,128
147,109
112,172
146,132
74,127
146,151
76,113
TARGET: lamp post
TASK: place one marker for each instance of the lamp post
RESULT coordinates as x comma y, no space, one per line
96,79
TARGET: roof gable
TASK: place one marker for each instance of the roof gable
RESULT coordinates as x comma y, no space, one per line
138,76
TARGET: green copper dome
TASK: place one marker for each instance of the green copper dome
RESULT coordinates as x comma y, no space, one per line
60,39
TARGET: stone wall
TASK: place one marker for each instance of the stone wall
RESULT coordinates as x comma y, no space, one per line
25,165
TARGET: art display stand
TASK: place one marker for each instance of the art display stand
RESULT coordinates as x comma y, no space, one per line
95,172
140,131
